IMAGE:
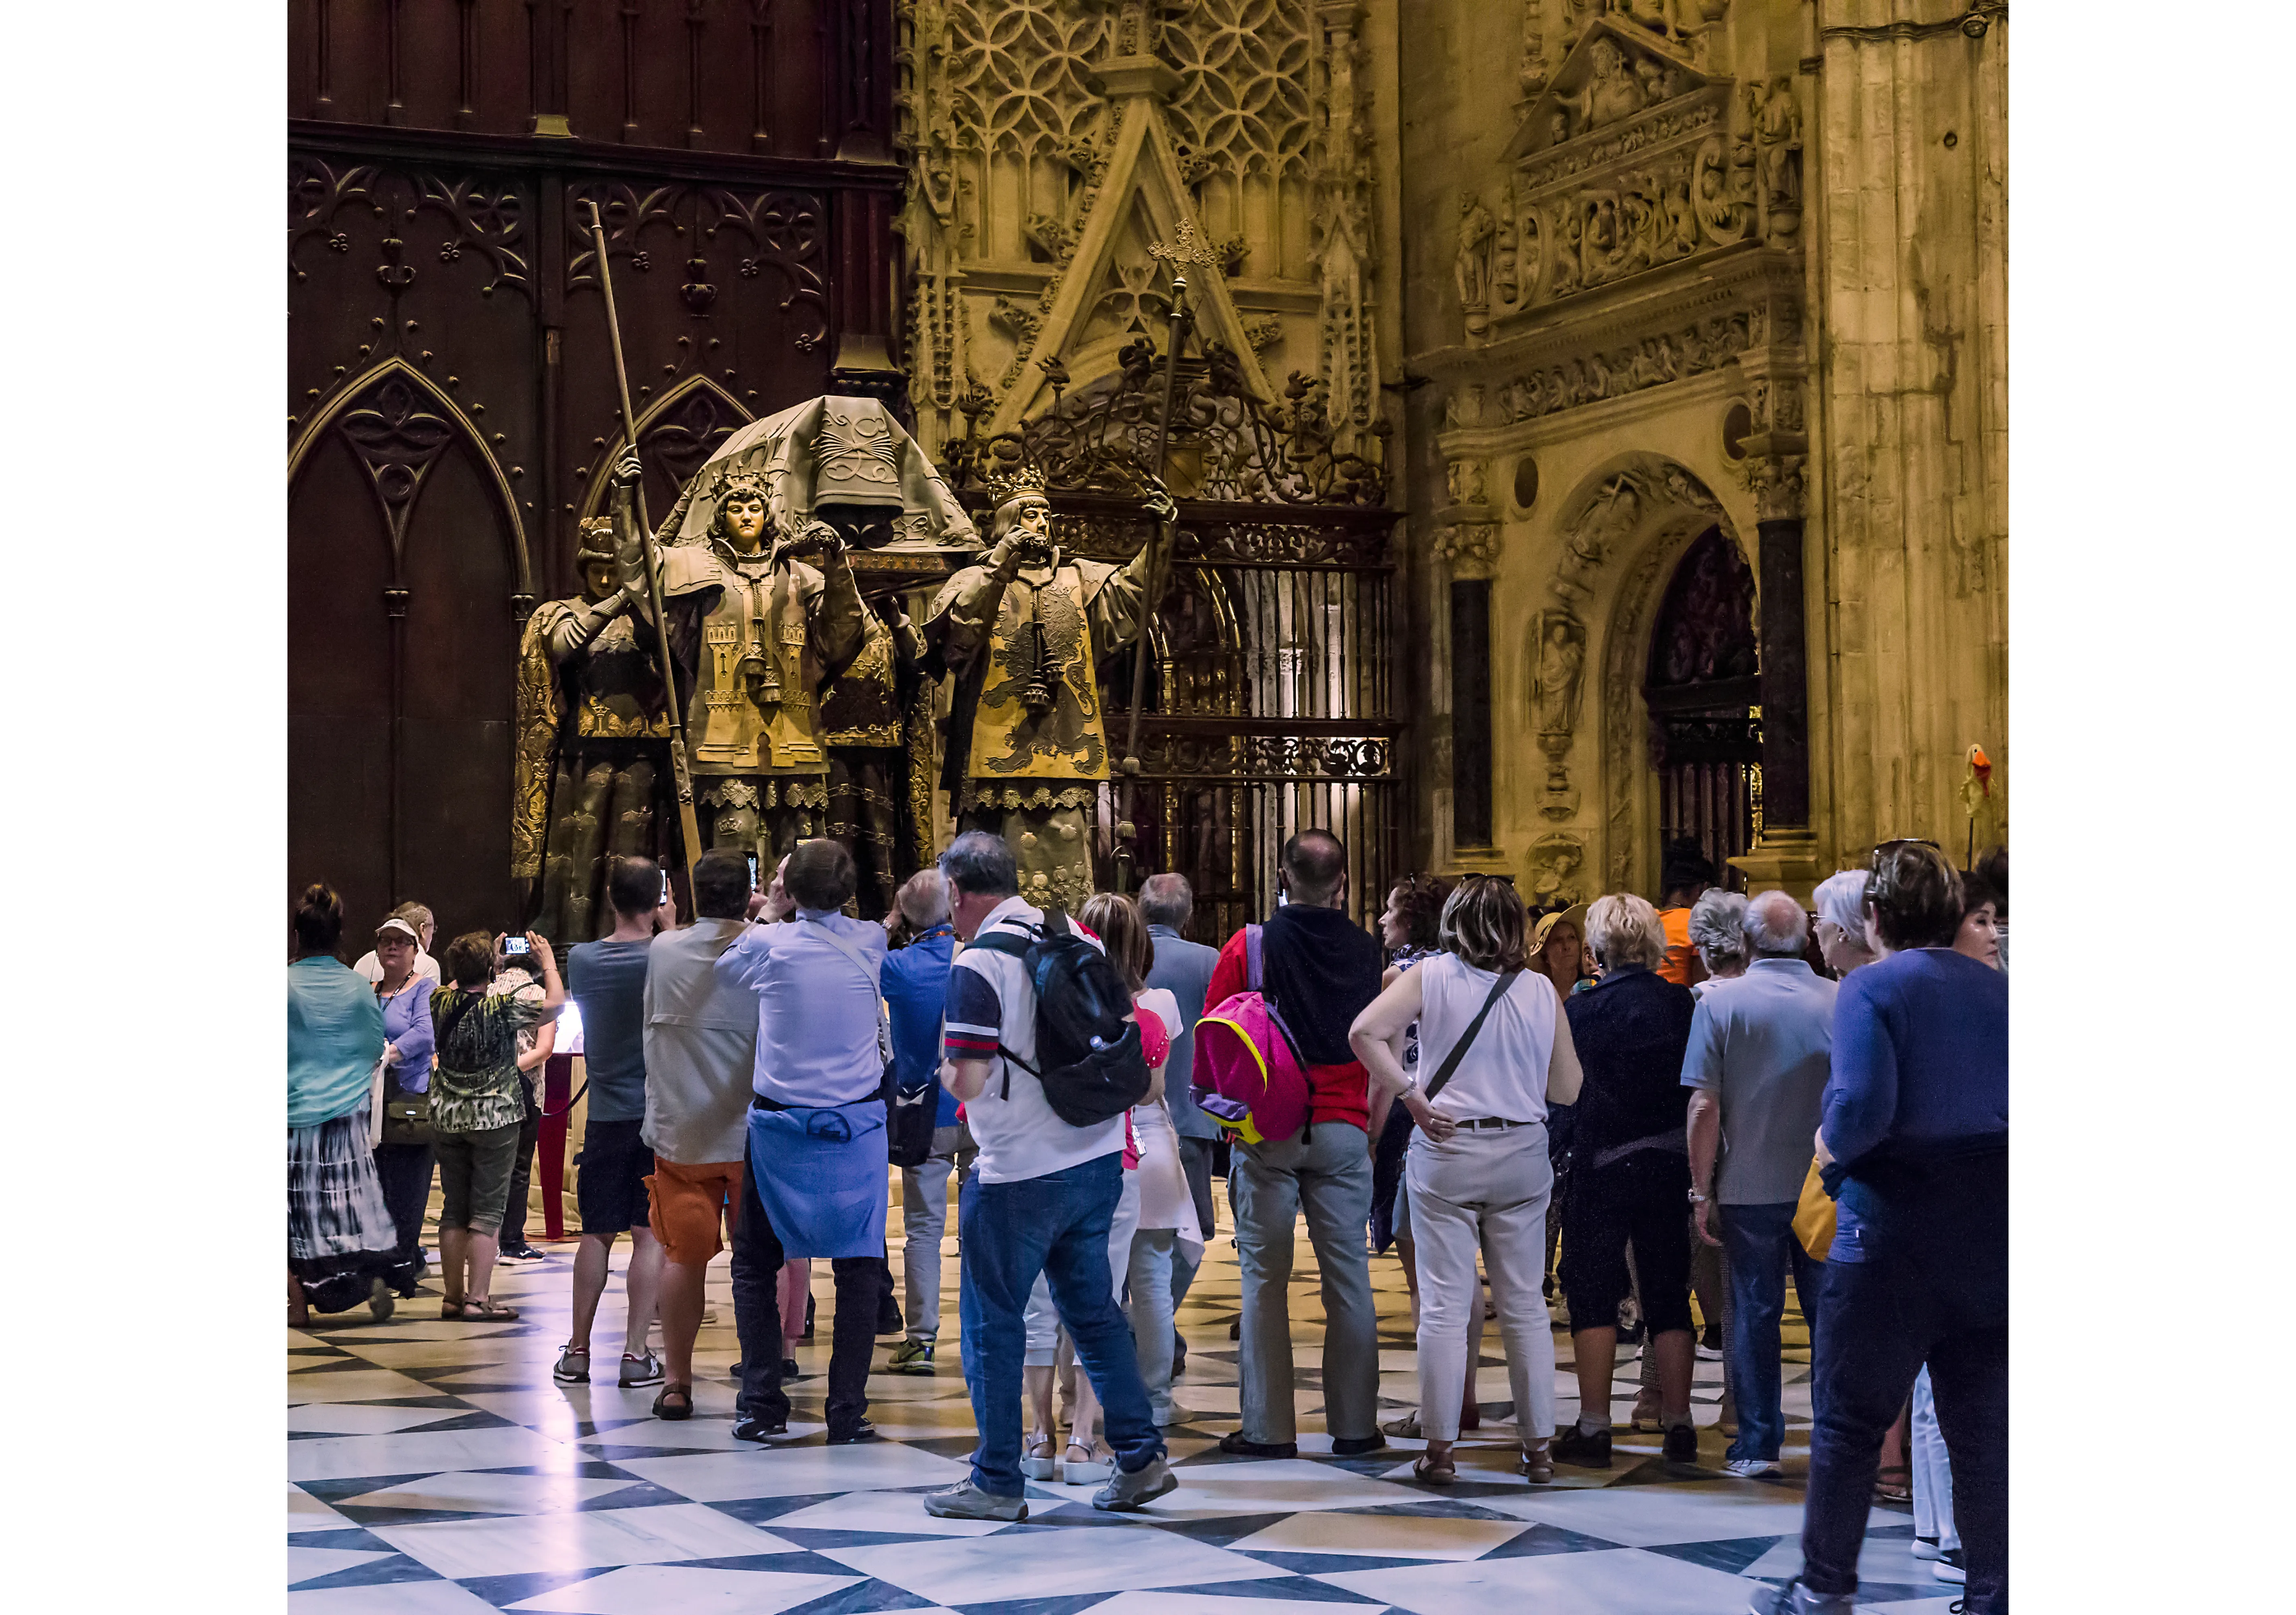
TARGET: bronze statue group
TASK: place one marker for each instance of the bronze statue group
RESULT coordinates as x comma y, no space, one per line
749,675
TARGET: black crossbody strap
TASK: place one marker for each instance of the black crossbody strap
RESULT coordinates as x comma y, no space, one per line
1459,1049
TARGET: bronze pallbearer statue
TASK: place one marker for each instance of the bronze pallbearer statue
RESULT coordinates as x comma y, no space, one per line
1025,632
592,765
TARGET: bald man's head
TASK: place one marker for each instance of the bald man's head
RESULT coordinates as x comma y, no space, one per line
1776,928
924,899
1314,868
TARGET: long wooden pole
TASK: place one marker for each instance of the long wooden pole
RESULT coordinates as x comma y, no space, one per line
1127,832
681,770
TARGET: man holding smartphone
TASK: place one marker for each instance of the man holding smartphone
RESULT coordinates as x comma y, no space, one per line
607,978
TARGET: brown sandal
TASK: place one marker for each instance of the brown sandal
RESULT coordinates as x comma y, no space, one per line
1538,1463
479,1310
1434,1472
663,1408
450,1310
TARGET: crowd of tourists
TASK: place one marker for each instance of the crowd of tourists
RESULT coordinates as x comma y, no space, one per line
1598,1114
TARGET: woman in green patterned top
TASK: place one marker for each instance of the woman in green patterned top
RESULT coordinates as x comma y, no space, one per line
476,1106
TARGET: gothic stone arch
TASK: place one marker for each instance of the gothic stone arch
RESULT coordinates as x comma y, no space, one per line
1625,528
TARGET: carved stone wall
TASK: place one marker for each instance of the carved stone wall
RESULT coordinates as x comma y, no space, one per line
1653,301
1052,142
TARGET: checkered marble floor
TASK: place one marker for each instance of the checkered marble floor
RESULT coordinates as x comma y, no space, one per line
436,1467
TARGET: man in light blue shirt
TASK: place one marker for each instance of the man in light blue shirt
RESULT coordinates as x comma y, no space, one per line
1186,969
815,1179
1760,1049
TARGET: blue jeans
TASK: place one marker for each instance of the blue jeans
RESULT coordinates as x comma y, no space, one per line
1757,1242
1057,1225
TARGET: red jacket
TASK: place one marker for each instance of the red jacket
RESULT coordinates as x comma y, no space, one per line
1338,1092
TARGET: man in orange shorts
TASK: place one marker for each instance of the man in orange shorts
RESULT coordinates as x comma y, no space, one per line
700,1050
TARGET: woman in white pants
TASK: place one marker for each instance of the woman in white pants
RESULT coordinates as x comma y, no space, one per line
1494,1049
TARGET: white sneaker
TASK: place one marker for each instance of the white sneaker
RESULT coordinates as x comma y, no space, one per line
1752,1469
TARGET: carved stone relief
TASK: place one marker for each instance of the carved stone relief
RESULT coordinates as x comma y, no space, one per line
1463,481
1555,859
1016,116
1469,549
1629,158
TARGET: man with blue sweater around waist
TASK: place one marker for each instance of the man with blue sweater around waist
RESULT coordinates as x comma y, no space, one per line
1915,1144
815,1183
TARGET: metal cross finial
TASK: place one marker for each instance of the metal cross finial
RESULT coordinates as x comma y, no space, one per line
1187,248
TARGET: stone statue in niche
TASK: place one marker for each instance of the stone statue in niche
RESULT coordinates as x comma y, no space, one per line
1777,121
1559,671
1473,267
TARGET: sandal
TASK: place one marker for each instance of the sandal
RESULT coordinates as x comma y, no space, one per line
683,1409
479,1310
1434,1472
1037,1457
1894,1483
1538,1462
450,1307
1090,1470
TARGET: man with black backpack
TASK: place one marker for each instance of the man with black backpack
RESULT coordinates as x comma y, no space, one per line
1044,1055
1317,970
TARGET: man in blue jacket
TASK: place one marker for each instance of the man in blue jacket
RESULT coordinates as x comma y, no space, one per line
1914,1143
915,983
1184,968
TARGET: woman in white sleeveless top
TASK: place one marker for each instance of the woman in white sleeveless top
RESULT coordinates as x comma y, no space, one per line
1477,1175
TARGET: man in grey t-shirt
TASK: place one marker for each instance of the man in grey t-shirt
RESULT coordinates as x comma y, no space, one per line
606,980
1760,1049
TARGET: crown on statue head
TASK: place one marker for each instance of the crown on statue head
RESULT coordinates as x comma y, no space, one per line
740,484
1023,481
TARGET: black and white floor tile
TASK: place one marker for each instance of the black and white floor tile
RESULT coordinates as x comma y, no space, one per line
436,1467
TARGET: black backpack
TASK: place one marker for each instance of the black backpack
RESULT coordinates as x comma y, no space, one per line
1087,1042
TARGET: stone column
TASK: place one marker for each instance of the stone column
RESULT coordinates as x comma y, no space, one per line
1466,555
1786,851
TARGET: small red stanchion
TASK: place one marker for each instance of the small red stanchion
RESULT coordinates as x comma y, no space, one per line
550,1143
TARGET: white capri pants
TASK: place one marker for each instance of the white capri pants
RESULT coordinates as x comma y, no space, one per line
1486,1189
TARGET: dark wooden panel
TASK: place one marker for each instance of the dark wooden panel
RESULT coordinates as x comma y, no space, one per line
338,567
789,77
337,811
456,785
461,640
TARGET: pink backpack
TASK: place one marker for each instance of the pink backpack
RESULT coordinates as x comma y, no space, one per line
1248,1076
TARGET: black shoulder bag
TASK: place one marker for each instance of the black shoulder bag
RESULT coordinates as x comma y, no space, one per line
1466,1039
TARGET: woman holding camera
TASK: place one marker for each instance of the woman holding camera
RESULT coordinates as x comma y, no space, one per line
477,1103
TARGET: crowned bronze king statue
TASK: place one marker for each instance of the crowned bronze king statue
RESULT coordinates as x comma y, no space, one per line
1024,632
760,619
